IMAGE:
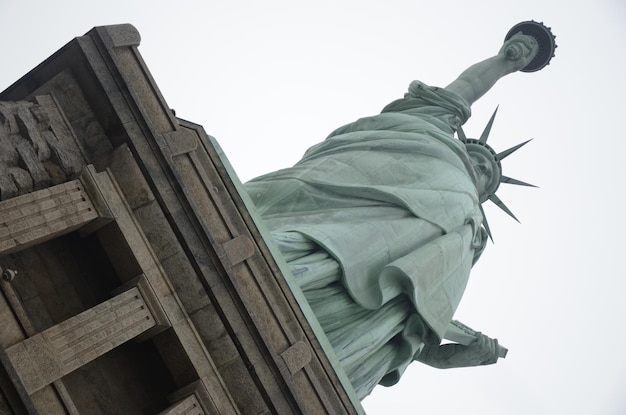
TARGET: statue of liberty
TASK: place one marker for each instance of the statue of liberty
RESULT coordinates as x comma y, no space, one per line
382,222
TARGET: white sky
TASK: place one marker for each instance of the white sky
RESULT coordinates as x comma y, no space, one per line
270,78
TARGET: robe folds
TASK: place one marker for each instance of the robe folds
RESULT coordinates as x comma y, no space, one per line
380,224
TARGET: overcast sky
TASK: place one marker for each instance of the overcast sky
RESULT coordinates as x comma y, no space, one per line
270,78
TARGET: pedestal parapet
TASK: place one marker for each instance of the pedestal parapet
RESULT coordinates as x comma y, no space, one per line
135,278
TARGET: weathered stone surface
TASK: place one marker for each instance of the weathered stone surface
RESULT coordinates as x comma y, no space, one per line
190,290
89,129
10,331
187,406
192,399
166,207
126,171
239,249
297,356
218,341
37,147
51,354
42,215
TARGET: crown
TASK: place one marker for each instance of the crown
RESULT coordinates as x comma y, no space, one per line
478,148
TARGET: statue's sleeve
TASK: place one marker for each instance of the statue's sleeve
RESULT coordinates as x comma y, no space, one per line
425,101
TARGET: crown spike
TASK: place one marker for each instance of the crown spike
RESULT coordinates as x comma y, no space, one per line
508,152
485,135
485,224
495,199
510,180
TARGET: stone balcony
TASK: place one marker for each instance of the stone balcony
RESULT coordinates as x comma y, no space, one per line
136,278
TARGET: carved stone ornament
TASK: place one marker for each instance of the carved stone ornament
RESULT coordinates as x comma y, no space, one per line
37,147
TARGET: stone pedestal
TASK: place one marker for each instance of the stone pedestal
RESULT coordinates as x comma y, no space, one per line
135,278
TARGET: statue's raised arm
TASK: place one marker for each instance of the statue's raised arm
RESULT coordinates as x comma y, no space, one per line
528,47
476,80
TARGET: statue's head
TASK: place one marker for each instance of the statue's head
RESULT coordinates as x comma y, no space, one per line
487,165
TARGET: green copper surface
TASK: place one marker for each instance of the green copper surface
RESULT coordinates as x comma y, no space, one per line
381,223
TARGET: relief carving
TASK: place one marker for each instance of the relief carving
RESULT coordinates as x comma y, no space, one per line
37,147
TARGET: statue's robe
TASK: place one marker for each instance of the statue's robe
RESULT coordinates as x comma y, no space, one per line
380,224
